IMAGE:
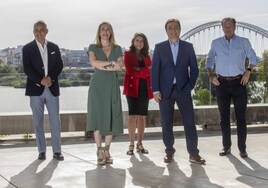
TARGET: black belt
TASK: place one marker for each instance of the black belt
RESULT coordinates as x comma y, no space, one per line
230,78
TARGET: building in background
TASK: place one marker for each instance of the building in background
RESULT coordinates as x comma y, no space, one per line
71,58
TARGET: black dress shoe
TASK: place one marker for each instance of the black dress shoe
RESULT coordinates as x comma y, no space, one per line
42,156
243,154
58,156
225,152
168,158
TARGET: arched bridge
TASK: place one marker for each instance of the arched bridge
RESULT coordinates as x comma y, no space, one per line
202,35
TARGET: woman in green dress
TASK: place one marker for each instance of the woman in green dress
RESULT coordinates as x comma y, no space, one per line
104,101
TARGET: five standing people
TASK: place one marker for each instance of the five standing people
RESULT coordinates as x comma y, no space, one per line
227,70
137,88
42,65
174,74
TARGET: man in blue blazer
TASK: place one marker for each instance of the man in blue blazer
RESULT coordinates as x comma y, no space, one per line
174,74
43,64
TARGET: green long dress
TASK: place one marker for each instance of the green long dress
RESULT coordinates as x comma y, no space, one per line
104,99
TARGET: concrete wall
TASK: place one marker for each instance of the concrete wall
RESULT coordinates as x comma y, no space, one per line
76,121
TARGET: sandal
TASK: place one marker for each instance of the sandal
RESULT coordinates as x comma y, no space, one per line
141,149
130,149
100,156
108,158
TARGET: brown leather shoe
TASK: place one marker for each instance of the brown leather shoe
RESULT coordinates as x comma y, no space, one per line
197,159
168,158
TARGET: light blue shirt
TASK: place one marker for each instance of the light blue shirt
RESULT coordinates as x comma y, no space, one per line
175,50
229,57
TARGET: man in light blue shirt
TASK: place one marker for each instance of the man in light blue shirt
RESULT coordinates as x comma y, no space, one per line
227,57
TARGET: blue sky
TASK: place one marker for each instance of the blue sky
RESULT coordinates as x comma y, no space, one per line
73,24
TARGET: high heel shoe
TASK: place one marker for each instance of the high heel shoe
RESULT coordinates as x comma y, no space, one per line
108,158
130,149
141,149
100,156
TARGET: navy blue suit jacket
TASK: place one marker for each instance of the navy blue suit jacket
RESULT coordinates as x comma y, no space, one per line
164,70
34,68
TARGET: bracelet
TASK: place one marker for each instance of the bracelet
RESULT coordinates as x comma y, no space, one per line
112,63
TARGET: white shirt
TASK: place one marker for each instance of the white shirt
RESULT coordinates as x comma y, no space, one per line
43,52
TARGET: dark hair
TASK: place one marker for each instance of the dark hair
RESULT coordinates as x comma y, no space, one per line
228,19
173,20
145,49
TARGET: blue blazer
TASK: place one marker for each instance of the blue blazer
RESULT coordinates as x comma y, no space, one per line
164,69
34,68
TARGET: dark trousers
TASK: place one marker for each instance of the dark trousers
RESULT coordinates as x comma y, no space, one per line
225,92
185,105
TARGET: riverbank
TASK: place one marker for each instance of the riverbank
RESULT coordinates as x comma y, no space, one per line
13,100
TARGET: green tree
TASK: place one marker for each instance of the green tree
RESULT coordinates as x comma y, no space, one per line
84,75
9,76
203,91
20,68
254,92
202,97
7,69
263,75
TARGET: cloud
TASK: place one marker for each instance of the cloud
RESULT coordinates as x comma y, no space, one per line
73,24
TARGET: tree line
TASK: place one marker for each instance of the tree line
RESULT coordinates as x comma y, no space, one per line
204,91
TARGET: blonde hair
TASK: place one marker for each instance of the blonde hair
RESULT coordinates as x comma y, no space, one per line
111,39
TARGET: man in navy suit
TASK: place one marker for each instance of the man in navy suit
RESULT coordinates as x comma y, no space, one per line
43,64
174,74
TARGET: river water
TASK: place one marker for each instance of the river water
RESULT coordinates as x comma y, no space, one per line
13,100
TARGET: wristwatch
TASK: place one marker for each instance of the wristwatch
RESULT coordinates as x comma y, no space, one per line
249,69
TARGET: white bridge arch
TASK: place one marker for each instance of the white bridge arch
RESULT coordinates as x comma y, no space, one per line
202,35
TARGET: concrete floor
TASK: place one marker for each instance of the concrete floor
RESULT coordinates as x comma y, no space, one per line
19,166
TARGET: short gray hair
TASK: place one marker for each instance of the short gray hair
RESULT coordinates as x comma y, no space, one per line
228,19
40,22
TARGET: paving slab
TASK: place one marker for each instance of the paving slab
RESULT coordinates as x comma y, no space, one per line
19,166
